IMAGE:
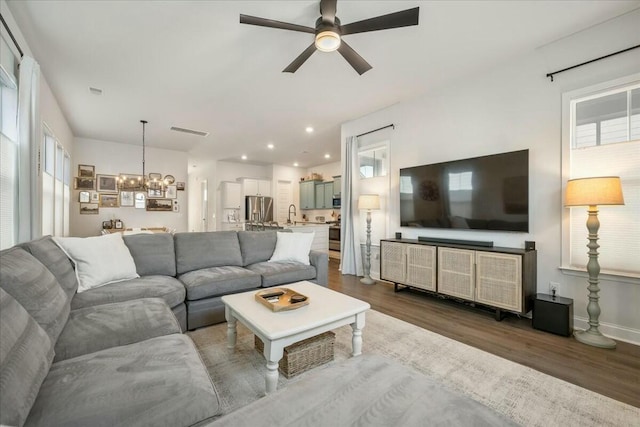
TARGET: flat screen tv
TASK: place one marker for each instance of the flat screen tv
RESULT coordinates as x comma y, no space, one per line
481,193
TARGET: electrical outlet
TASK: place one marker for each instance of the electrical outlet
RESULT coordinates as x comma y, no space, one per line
553,288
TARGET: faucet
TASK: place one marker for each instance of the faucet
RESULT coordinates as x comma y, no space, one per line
294,213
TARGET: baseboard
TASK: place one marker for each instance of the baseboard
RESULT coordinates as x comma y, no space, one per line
616,332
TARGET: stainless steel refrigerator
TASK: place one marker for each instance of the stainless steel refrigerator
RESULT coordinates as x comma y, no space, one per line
258,208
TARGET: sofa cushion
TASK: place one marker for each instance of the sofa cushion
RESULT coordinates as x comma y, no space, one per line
153,254
56,261
28,281
25,357
206,249
98,260
211,282
158,382
110,325
256,246
277,273
170,289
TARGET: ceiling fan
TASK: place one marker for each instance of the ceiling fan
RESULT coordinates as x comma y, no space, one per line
328,32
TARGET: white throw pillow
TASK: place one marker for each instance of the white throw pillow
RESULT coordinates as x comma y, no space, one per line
293,247
99,260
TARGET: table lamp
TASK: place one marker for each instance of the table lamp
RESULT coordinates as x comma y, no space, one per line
368,202
591,192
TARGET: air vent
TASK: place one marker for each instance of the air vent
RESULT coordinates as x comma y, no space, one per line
95,91
191,131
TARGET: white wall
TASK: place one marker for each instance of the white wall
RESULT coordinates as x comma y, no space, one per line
509,108
113,158
201,171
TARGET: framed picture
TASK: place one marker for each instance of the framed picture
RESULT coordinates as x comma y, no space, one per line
86,171
180,186
80,183
176,206
160,205
118,225
126,198
141,200
107,225
89,209
84,197
95,197
130,182
171,191
169,179
151,193
157,177
155,185
109,200
107,183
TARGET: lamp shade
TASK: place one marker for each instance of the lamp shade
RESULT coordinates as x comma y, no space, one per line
603,190
369,201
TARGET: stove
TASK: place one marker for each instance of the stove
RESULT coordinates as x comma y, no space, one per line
334,236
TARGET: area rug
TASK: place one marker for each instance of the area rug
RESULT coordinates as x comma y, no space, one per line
526,396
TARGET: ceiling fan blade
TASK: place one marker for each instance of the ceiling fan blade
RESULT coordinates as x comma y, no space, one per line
262,22
293,67
328,10
357,62
403,18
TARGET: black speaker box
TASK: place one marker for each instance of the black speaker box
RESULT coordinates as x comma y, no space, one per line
553,314
529,245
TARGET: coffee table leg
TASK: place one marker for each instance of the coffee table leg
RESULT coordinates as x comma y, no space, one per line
273,352
231,328
356,339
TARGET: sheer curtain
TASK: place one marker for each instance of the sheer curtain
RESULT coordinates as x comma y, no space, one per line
28,141
350,237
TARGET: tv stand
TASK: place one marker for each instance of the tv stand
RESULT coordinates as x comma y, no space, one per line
503,279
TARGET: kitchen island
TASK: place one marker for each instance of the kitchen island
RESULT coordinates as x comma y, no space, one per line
321,238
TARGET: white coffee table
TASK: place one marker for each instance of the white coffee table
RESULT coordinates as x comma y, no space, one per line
326,310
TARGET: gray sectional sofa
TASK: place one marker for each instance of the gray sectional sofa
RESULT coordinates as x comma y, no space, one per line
115,354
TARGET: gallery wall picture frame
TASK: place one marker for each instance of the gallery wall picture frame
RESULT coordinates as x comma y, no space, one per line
159,205
127,199
171,192
108,200
107,183
155,185
86,171
84,197
89,209
82,183
155,177
95,197
153,193
176,206
169,179
180,186
140,200
118,225
130,182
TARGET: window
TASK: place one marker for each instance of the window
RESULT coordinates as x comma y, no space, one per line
56,176
373,162
8,147
601,136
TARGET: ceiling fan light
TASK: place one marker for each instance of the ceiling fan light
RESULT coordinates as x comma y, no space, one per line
327,41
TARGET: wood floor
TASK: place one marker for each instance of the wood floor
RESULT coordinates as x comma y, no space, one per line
613,373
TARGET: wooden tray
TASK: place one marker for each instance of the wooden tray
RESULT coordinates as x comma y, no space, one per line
279,299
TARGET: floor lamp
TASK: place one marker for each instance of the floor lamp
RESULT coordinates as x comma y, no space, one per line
592,192
369,202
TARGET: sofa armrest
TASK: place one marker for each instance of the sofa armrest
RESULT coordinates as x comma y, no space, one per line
320,260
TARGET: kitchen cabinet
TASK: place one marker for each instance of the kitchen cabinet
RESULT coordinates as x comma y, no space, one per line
324,195
307,195
337,186
231,195
256,187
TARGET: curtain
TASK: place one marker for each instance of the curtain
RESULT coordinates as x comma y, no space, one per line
350,236
29,142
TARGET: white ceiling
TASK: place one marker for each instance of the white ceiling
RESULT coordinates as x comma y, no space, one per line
191,64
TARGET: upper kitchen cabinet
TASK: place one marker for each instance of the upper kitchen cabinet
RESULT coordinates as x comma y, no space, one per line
230,195
307,195
324,195
337,186
255,187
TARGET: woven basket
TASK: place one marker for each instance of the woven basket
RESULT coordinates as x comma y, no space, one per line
304,355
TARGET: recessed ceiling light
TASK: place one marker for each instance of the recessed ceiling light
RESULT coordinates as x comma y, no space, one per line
327,156
295,164
244,157
95,91
270,146
309,129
